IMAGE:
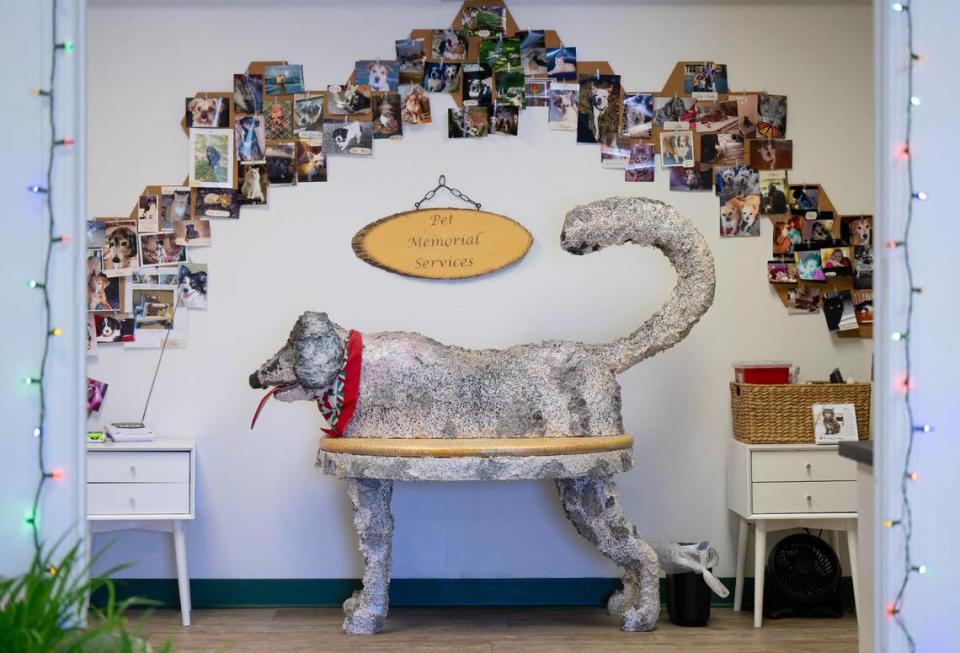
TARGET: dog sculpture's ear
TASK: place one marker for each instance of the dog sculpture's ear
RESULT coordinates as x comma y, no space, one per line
318,351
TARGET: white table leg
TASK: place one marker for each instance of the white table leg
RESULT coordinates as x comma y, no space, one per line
183,578
742,542
852,543
760,556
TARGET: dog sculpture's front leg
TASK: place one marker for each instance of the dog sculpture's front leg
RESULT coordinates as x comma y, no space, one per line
367,609
592,503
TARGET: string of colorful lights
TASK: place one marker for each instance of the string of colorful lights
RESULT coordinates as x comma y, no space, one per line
41,284
905,382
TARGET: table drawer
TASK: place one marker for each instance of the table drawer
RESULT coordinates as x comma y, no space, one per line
807,465
805,496
138,498
138,467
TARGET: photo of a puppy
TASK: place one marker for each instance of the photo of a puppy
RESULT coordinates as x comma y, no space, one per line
416,105
469,122
698,178
250,136
637,115
771,154
148,213
857,230
433,77
501,54
506,120
283,79
192,286
380,76
103,293
477,85
207,112
641,166
353,137
248,93
387,122
192,233
308,115
119,252
211,158
349,100
533,52
562,108
599,108
667,110
253,183
311,161
411,56
280,169
114,328
676,148
449,45
562,64
278,117
218,203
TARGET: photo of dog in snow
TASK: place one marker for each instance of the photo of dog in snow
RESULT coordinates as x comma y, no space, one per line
387,121
350,100
308,115
415,105
278,118
448,45
211,158
311,160
501,54
283,79
641,166
771,116
207,112
218,203
533,52
857,230
352,137
380,76
280,168
637,115
148,213
469,122
599,108
698,178
562,64
248,93
192,233
253,183
411,56
676,148
114,328
483,21
770,154
192,286
562,108
251,138
119,252
477,85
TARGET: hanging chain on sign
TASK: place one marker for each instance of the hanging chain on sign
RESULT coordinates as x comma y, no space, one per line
442,183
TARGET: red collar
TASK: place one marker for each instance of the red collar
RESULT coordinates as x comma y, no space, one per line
337,404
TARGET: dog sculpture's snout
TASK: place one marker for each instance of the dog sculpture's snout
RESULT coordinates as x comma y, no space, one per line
255,381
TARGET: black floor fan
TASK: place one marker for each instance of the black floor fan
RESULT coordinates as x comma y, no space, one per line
802,579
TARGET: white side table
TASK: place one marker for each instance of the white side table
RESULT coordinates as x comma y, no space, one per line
775,487
145,485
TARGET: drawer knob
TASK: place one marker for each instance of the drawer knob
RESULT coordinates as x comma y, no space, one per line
133,470
133,503
808,466
809,498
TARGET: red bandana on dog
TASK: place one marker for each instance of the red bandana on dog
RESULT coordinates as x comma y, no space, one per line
337,404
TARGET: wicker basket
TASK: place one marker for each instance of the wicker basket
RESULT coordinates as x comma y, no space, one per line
784,413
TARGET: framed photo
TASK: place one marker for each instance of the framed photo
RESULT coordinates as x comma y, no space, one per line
211,158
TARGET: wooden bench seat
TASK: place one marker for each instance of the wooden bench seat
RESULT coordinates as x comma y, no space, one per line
467,447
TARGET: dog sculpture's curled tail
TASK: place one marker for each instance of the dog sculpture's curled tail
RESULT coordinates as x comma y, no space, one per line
620,220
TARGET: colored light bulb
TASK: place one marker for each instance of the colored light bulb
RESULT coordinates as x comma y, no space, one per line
925,428
57,474
915,101
37,432
921,195
66,46
56,331
897,336
913,476
30,380
898,6
36,189
65,141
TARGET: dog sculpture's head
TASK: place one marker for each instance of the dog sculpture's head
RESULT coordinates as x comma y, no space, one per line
308,363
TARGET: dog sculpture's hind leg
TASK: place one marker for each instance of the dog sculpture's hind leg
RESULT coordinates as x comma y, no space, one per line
366,610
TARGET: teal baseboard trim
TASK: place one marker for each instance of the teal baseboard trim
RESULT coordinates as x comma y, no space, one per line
409,592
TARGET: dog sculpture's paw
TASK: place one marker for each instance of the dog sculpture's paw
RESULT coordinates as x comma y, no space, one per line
622,598
351,604
633,620
363,622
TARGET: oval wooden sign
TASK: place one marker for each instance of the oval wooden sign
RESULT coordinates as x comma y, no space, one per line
443,243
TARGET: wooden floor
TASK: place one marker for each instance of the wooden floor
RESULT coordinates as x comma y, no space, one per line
493,630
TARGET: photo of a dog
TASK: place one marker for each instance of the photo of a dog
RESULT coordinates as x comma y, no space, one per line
469,122
349,100
148,213
387,121
433,77
218,203
771,154
477,85
283,79
103,293
562,108
416,105
343,138
857,230
311,161
114,328
637,115
280,168
449,45
451,77
251,137
248,93
562,64
698,178
599,108
506,120
253,183
411,56
192,233
676,148
721,149
533,52
308,115
192,286
119,252
773,197
641,166
207,112
160,249
380,76
211,158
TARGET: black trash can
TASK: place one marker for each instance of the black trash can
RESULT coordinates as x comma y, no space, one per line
688,599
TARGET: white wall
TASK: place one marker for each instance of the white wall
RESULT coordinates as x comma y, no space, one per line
26,41
263,510
929,606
